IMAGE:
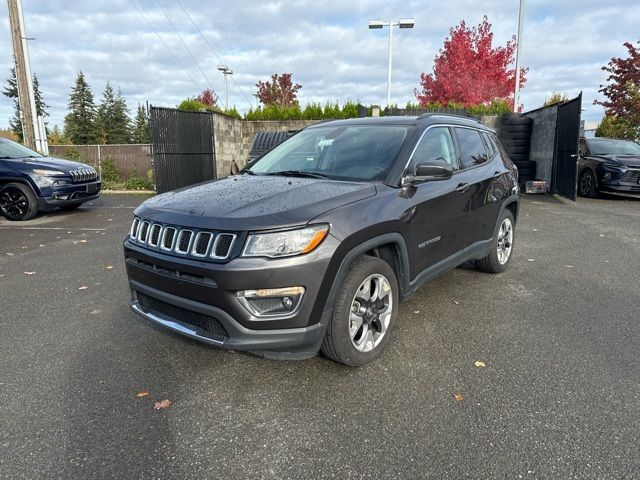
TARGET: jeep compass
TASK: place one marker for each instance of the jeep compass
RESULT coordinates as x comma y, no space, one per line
315,245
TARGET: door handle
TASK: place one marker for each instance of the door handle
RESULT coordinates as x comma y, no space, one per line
462,187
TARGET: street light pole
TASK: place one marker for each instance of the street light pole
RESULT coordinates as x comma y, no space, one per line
378,24
226,71
516,93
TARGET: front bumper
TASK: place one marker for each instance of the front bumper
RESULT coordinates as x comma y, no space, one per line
198,299
621,180
69,195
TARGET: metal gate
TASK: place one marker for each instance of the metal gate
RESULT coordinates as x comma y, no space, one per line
182,147
565,165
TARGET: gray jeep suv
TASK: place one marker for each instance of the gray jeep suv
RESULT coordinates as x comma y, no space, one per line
315,245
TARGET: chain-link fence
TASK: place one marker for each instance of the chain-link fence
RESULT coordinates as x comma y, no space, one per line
120,166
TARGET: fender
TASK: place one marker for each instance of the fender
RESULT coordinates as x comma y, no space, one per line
388,238
24,181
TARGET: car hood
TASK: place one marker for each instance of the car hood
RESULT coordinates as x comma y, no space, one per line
248,202
46,163
628,160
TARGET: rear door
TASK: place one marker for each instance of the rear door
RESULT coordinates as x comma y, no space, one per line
439,213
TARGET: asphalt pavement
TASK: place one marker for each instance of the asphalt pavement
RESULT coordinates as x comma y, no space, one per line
558,395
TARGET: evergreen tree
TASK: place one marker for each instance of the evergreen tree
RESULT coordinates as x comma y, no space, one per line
113,119
80,121
141,132
11,91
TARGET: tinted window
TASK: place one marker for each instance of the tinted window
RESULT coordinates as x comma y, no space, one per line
491,148
472,151
610,146
436,144
348,152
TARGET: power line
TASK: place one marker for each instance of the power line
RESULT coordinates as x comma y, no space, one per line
184,44
166,46
214,52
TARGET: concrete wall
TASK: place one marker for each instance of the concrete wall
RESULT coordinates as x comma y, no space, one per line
543,140
233,137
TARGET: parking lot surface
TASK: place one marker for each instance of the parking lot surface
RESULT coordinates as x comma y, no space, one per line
558,395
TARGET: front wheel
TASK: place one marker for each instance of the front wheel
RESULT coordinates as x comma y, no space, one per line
587,184
501,246
17,202
364,313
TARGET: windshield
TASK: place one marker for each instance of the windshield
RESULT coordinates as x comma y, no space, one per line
609,146
9,149
348,152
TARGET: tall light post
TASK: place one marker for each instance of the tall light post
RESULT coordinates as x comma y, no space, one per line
516,93
226,71
402,23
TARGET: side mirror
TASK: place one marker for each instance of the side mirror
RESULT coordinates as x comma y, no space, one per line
429,171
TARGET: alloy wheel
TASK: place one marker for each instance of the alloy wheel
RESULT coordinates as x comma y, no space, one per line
370,315
586,184
13,203
505,241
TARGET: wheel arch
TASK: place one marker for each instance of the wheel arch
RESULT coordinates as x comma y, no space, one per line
7,180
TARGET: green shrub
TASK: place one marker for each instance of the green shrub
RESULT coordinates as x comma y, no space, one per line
76,155
136,182
109,170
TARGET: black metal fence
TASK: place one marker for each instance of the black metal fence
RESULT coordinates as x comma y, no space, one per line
182,147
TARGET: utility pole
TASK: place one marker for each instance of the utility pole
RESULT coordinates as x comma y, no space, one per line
516,93
32,136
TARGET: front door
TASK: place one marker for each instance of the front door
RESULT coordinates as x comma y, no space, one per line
439,222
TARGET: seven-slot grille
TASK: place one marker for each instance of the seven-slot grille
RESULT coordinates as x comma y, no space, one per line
182,241
83,175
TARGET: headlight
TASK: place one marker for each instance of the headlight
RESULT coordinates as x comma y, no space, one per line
286,243
47,173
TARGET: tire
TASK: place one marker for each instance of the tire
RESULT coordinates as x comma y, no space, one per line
71,208
355,347
587,184
519,150
17,202
525,164
520,136
515,119
495,263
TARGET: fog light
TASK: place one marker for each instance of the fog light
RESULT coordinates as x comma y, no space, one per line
271,302
607,176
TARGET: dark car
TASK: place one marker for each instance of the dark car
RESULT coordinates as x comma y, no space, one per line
30,182
316,244
608,164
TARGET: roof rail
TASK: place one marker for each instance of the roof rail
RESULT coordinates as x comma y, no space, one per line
439,114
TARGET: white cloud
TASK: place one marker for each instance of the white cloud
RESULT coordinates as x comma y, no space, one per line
326,45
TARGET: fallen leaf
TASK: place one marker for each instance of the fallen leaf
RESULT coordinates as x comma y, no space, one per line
109,267
458,396
142,394
95,312
602,235
83,287
42,245
530,260
10,254
416,311
480,364
535,229
457,303
29,273
161,405
569,266
24,247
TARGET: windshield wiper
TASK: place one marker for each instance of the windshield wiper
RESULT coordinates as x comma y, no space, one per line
298,173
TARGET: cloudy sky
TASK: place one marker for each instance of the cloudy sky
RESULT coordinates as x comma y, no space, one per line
325,44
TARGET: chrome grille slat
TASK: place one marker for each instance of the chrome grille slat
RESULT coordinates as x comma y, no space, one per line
83,175
201,244
184,233
168,239
142,232
134,227
223,245
154,235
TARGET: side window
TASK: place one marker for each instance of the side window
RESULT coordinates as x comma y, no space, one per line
472,151
491,148
436,144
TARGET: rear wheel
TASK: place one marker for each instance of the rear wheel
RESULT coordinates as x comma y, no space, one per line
364,313
17,202
587,184
501,247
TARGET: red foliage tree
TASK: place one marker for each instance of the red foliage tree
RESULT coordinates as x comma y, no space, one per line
470,70
280,91
623,91
208,97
